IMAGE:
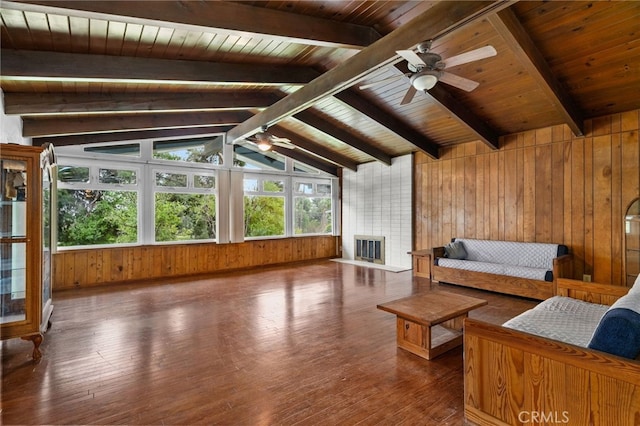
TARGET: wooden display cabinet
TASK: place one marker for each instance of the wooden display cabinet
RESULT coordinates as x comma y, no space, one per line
26,190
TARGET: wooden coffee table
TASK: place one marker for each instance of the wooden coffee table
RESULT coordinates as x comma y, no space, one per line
429,324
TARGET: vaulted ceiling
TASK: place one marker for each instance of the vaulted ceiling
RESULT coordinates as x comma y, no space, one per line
106,71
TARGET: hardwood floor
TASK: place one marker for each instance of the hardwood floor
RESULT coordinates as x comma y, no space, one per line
302,344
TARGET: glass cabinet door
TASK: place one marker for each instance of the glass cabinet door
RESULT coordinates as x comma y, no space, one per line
47,217
13,246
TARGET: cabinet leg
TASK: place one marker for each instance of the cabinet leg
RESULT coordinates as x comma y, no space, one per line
37,340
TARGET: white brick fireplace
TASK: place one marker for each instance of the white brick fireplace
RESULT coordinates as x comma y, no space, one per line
376,202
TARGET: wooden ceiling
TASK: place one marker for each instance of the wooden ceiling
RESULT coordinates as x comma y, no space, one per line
106,71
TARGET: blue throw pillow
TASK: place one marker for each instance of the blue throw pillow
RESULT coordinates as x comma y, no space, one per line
618,332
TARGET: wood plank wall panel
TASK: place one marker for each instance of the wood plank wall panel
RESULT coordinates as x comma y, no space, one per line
92,267
543,185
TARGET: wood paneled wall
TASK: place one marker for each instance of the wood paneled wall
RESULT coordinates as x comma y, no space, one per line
91,267
544,185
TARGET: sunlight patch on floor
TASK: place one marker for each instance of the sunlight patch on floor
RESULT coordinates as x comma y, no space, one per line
373,265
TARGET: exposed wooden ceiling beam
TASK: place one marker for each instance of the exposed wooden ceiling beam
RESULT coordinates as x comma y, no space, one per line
218,16
314,148
386,119
128,136
314,120
442,18
58,103
308,159
68,125
36,65
464,116
511,30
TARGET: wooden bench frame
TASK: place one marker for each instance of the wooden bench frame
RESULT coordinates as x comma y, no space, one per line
513,378
525,287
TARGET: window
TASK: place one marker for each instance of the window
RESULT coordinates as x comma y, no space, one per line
97,205
303,168
201,150
313,207
179,191
264,212
171,180
118,177
303,188
131,150
184,206
71,174
248,156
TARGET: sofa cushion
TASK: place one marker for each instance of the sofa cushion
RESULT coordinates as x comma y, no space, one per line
531,255
495,268
618,332
455,250
561,318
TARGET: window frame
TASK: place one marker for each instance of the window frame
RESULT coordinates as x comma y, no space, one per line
94,184
226,191
285,195
315,181
184,163
190,172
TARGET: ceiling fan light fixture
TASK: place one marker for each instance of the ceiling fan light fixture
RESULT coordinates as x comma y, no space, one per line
424,80
263,145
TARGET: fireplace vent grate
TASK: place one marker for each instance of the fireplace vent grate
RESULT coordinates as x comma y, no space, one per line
369,249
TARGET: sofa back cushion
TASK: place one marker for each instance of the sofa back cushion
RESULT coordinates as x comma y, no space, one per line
618,332
531,255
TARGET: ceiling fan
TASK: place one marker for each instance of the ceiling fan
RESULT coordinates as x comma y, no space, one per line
428,68
265,141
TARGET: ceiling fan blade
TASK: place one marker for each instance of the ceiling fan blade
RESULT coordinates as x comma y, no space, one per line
375,83
470,56
408,97
259,141
286,145
459,82
276,139
411,57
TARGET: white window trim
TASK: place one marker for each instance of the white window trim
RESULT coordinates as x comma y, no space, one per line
94,167
315,180
229,189
285,194
190,172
